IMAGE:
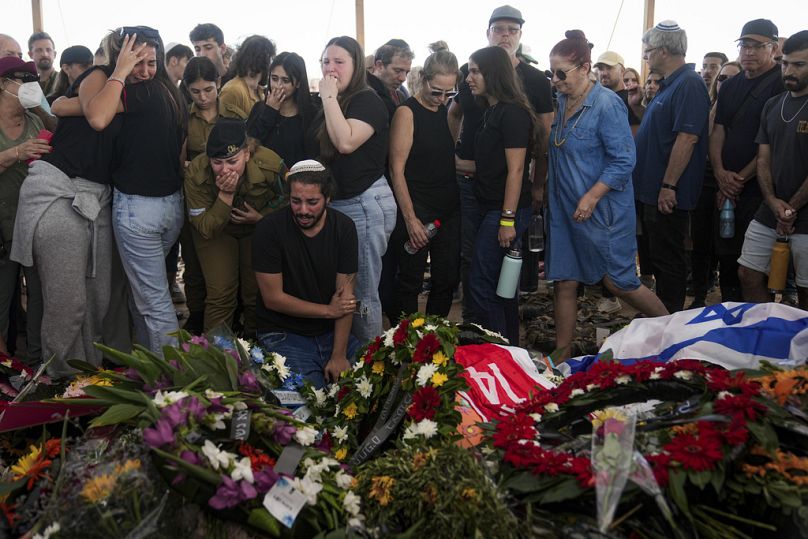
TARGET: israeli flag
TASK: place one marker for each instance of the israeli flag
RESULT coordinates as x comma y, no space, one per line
732,335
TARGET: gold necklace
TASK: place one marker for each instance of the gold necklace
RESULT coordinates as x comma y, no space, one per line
559,143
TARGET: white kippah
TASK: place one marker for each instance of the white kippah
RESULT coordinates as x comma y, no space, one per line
307,165
668,26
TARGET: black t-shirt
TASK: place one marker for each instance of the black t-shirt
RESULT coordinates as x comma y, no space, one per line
309,265
147,149
79,150
537,88
430,167
739,144
503,126
788,142
384,94
285,135
632,118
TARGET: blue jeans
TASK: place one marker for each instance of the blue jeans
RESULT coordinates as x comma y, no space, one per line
306,355
145,229
491,311
374,214
469,222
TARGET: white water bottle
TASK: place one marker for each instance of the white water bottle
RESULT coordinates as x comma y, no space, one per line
509,274
431,230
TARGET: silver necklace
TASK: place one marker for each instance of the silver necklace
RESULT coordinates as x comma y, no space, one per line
782,108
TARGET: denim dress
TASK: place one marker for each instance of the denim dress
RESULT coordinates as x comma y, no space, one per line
595,145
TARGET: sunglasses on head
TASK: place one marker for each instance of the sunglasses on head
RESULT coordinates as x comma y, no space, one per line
142,31
561,74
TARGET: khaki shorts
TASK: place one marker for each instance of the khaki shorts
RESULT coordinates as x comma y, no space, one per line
757,251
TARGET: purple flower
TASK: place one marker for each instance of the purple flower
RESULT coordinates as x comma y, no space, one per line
162,434
283,432
191,457
230,493
175,414
161,383
216,406
132,374
249,383
174,364
196,408
265,479
201,340
234,353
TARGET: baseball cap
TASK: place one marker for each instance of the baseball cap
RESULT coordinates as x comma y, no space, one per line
506,12
77,54
762,30
226,139
610,58
13,64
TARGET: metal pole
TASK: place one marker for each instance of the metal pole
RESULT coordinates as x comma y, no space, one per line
36,15
360,22
648,22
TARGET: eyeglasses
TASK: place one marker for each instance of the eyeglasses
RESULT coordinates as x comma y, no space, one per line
646,52
142,31
512,30
437,92
751,45
561,74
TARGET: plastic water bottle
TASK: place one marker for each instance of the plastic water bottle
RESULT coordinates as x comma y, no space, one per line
726,220
431,230
509,274
535,234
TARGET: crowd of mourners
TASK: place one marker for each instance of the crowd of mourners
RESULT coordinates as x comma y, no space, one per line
306,214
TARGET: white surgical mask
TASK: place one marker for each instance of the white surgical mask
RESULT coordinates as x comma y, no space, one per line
29,93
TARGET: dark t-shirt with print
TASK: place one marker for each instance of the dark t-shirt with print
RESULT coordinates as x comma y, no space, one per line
309,266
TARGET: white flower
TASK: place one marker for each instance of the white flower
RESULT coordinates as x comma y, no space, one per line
724,395
340,434
315,471
343,479
319,397
215,421
364,386
430,328
305,436
683,375
654,376
332,391
242,470
489,332
50,530
239,405
590,387
210,394
351,503
310,489
426,428
244,344
161,400
536,417
388,336
336,410
216,456
280,365
411,431
551,407
356,522
575,392
425,373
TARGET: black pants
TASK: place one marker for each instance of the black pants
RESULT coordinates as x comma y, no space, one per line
703,231
729,249
646,268
666,247
444,257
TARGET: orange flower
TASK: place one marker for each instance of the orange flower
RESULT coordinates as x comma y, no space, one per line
33,466
380,488
53,447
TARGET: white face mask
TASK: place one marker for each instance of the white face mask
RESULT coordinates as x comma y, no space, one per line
29,93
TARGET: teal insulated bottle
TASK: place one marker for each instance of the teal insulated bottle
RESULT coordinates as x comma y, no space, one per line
509,274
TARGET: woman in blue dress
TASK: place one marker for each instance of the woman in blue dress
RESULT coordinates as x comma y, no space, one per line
591,200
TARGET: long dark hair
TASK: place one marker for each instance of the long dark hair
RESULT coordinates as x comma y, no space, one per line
502,83
171,95
295,68
253,57
358,83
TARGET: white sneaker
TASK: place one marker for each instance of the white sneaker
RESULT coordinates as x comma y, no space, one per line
609,305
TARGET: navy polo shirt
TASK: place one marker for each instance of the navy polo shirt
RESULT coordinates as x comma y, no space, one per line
682,105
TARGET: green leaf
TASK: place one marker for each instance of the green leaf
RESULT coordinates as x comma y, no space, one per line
765,434
676,486
116,394
197,471
261,519
567,490
700,479
523,482
717,479
118,413
82,366
8,488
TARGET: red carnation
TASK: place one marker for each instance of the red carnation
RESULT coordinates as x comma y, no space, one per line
740,406
400,336
372,349
512,429
344,390
425,403
696,453
426,348
659,465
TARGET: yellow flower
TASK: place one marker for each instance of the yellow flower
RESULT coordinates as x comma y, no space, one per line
341,453
98,488
438,379
378,367
380,488
27,462
469,493
350,411
439,358
601,416
130,465
418,322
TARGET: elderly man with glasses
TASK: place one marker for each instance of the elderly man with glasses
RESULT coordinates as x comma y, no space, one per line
733,152
671,156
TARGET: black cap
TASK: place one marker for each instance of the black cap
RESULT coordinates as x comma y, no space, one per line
226,139
760,30
77,54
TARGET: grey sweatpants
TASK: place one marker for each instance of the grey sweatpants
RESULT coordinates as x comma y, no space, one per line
75,301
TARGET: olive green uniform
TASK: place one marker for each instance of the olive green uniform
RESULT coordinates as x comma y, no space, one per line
224,248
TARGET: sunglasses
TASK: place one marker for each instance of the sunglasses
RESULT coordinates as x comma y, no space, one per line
561,74
142,31
440,93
